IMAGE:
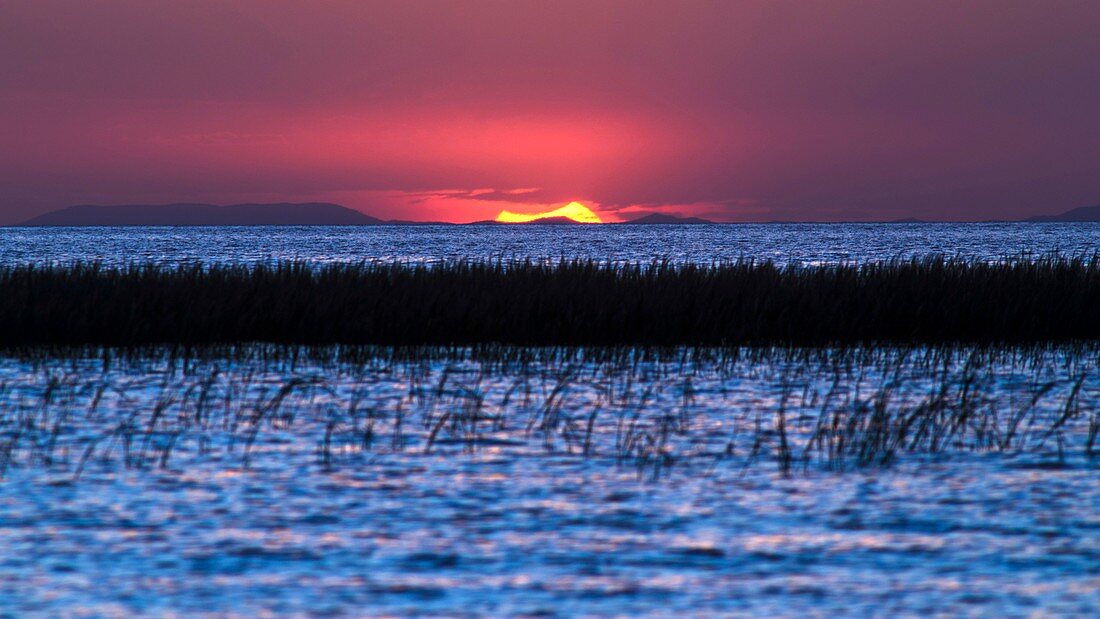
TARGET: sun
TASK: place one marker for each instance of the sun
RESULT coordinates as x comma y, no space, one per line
574,211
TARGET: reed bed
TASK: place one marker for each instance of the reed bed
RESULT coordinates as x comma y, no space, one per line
931,301
827,409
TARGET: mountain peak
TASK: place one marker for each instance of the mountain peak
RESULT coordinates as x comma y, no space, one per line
187,214
1084,213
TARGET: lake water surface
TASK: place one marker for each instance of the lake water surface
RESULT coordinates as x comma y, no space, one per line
505,485
551,482
784,243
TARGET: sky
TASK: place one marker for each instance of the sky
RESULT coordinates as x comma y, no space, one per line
438,110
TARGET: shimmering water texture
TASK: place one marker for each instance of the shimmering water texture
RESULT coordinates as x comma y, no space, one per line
554,483
784,243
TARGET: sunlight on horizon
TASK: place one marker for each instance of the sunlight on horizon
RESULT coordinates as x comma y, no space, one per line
574,211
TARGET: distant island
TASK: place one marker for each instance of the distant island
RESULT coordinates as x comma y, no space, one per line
1084,213
281,214
542,221
650,219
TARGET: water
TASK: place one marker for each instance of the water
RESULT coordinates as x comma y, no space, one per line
535,485
474,486
803,243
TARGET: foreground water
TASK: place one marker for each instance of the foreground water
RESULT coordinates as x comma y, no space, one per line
784,243
551,483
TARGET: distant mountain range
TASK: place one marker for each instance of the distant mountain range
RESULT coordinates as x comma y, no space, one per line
1084,213
328,214
283,214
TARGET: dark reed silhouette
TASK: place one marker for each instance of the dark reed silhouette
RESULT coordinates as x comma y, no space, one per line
578,302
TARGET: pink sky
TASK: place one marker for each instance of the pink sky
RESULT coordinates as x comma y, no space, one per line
456,110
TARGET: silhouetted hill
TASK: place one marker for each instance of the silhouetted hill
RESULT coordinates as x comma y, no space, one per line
661,218
553,221
283,214
544,221
409,222
1084,213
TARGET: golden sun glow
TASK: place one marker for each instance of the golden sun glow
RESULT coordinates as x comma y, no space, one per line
574,211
